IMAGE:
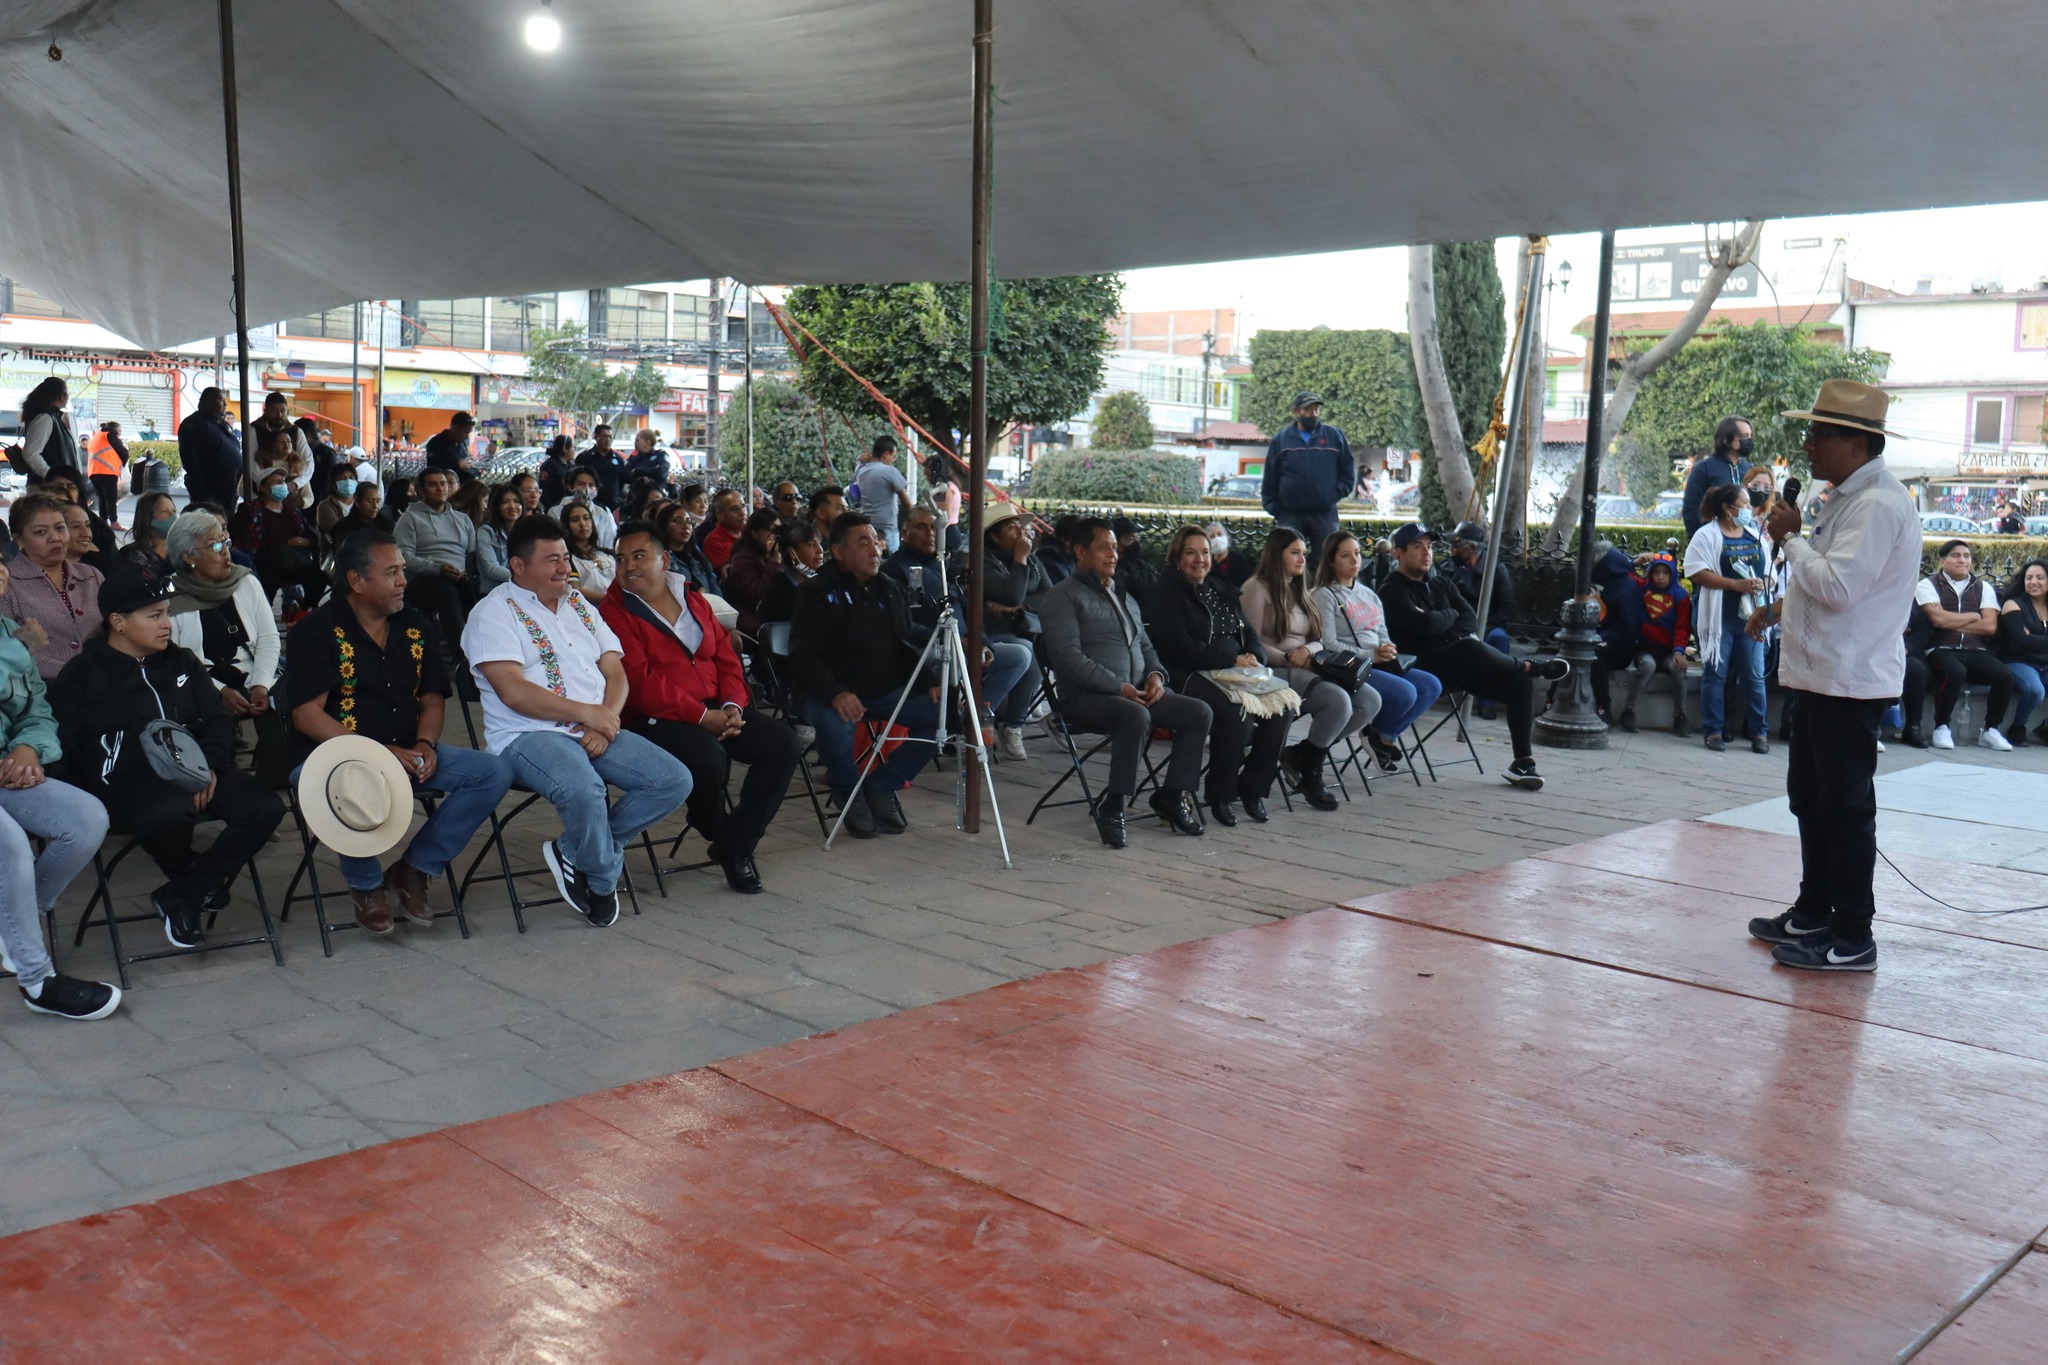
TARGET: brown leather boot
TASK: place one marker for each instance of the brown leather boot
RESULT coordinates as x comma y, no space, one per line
411,886
373,912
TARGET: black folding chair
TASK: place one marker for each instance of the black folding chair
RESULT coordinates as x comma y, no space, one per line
1418,744
1078,758
511,876
308,870
775,698
103,899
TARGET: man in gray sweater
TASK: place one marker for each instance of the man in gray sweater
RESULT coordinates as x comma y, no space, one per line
1110,681
438,542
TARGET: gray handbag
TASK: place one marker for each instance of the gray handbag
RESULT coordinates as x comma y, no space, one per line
175,756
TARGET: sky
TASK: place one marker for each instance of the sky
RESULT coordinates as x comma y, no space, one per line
2006,243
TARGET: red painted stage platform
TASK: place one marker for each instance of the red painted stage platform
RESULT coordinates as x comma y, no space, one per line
1561,1111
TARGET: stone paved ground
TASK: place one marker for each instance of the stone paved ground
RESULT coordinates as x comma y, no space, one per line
224,1066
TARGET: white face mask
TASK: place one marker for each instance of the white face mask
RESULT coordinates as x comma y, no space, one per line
1219,546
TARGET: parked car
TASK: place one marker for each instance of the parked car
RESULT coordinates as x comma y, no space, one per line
1949,524
1238,486
1617,507
2037,526
1670,507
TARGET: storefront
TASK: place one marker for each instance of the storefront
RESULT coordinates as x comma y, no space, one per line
418,403
1982,479
679,418
329,398
512,413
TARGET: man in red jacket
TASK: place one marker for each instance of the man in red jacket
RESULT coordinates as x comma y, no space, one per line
729,517
685,691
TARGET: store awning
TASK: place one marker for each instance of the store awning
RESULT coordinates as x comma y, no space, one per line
394,148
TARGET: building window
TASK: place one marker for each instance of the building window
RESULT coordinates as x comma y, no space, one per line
443,322
633,317
515,317
2033,327
693,320
336,324
2029,412
1987,421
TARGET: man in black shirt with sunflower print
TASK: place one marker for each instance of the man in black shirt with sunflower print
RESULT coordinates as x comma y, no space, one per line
367,664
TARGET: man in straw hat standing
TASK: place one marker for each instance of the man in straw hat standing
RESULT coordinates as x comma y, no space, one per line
1842,661
366,666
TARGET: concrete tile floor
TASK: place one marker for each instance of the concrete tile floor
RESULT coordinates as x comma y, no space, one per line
225,1065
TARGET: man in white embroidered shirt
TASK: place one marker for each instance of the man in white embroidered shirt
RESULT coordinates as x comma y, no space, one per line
553,690
1842,661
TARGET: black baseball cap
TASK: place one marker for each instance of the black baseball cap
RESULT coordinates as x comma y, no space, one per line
1407,535
131,588
1306,397
1471,531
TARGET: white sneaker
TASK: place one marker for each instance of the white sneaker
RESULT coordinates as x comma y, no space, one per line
1991,739
1054,733
1010,744
1880,746
1942,739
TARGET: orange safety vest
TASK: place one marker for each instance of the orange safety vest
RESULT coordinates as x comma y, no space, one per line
102,457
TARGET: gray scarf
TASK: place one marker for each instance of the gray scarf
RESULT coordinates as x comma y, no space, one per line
199,594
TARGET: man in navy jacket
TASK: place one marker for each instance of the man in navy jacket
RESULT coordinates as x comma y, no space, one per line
1308,470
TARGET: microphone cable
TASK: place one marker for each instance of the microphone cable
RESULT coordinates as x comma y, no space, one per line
1950,905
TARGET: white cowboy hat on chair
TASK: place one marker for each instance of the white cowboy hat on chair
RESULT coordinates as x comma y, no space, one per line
355,796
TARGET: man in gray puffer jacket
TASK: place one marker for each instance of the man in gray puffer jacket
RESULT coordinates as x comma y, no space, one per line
1110,681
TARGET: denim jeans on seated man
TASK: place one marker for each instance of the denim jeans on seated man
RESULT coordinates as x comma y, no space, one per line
595,830
1002,675
837,739
470,784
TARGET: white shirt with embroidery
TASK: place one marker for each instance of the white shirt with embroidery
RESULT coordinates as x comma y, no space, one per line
558,650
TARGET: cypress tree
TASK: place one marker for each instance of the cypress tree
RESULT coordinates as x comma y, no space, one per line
1471,315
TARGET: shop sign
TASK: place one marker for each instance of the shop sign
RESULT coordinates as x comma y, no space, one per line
512,392
691,401
1995,464
427,389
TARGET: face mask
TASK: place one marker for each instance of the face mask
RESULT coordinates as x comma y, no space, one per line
344,487
1309,422
1219,546
274,492
161,526
1746,519
1746,447
584,495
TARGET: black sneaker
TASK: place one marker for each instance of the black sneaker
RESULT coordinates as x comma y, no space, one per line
1551,669
1385,753
1826,953
603,911
1716,743
1759,745
860,818
569,882
1627,721
1522,773
1783,929
69,998
180,915
887,810
222,896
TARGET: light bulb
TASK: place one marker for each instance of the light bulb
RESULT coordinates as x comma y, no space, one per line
543,34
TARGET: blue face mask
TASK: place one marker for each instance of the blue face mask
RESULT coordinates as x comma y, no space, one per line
1746,519
344,487
274,492
161,526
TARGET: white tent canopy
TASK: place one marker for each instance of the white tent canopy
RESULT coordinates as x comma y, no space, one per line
402,148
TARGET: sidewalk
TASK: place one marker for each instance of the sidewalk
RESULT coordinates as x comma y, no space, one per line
227,1066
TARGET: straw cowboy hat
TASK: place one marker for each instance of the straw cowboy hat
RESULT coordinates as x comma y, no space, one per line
1846,403
355,797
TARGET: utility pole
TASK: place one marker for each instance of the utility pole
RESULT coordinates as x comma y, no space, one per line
711,457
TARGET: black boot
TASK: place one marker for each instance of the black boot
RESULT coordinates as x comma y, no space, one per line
1177,808
1109,820
1679,725
1254,805
1912,737
1311,785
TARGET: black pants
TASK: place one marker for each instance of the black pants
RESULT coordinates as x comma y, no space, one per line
223,492
1315,526
163,818
279,569
108,489
1244,751
1913,699
447,600
1953,667
768,748
1472,665
1129,725
1832,783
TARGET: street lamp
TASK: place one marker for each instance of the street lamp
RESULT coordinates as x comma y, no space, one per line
543,33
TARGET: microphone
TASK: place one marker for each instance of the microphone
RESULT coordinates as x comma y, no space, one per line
1791,494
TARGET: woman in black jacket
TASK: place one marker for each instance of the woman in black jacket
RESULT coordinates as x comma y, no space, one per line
2023,644
1197,628
131,675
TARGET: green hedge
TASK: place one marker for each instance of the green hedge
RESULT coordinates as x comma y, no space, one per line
1137,476
167,451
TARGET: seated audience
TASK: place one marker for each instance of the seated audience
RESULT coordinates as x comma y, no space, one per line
685,555
529,492
1111,682
1468,556
71,487
755,564
1276,602
78,544
1644,632
154,513
366,513
504,509
590,565
803,555
221,613
278,538
1056,552
33,805
438,543
1962,610
729,520
1430,620
685,691
2023,643
1353,618
853,653
788,503
583,491
1013,583
1232,566
125,677
367,664
917,566
336,502
553,688
1199,629
1134,573
55,601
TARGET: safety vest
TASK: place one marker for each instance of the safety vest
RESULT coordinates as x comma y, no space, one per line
102,458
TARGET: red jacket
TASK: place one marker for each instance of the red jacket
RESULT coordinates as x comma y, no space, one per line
663,680
718,546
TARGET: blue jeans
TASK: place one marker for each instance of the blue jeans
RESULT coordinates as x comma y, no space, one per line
1403,697
836,738
651,782
2029,686
473,784
1501,640
1740,670
72,824
1001,676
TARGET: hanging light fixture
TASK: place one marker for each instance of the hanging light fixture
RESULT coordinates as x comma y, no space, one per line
543,32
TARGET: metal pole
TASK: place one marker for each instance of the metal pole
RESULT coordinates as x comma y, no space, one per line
711,455
229,99
977,420
1503,483
355,377
1574,724
750,397
383,322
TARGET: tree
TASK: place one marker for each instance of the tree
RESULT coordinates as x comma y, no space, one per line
572,382
1366,378
1122,422
1046,346
1640,366
1756,372
1457,319
789,441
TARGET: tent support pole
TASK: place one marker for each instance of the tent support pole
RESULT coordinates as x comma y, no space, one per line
355,376
977,420
1573,723
230,97
1503,474
750,395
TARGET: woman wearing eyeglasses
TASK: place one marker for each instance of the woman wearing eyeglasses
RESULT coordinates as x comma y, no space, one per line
222,614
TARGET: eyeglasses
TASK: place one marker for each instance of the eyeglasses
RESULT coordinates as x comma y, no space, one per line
217,546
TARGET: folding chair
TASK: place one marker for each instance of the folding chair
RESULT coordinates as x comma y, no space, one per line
1077,758
308,869
511,876
1368,769
776,698
103,897
1419,743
